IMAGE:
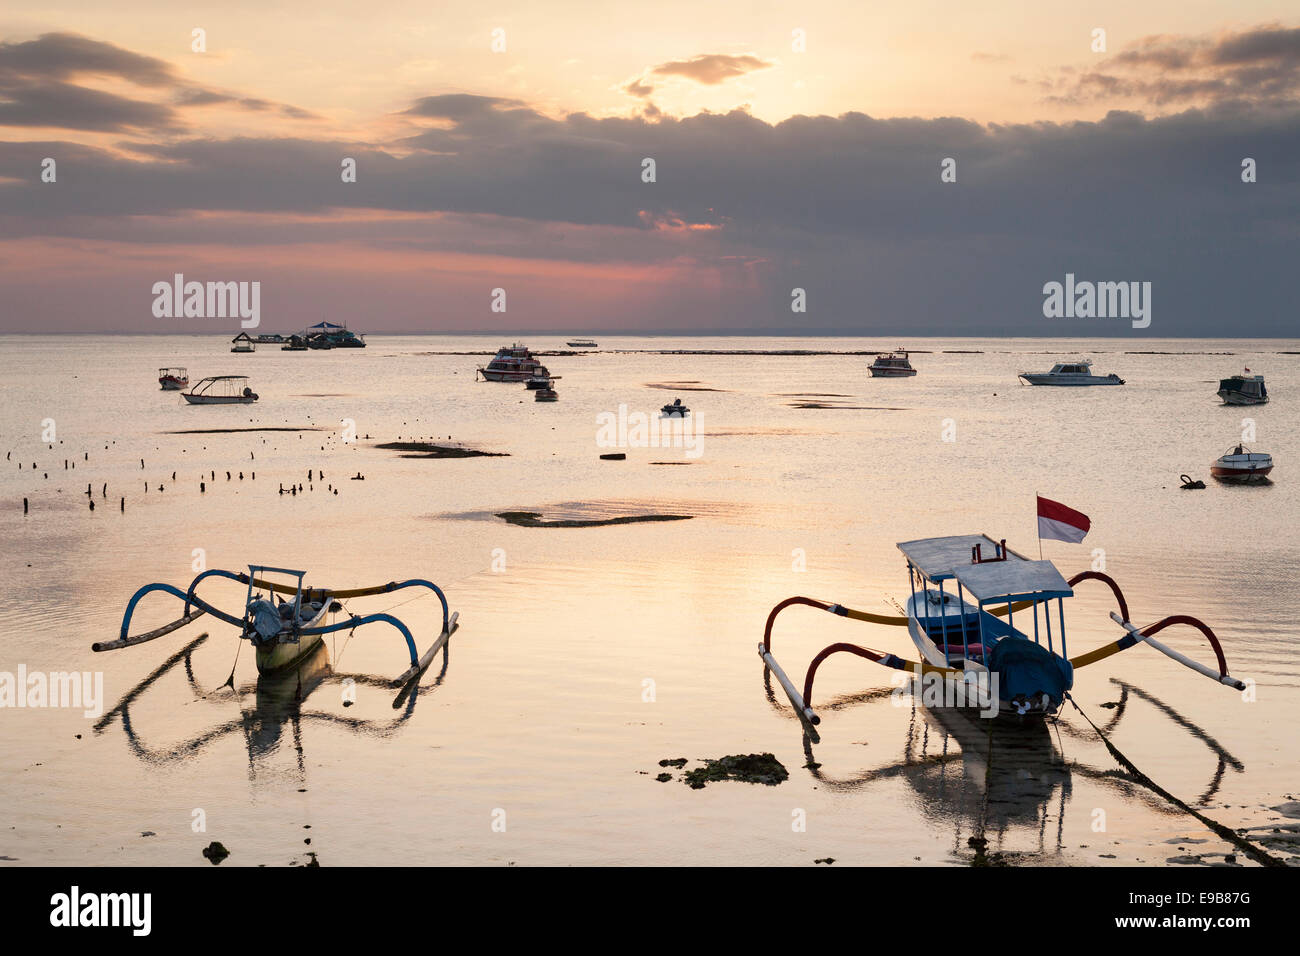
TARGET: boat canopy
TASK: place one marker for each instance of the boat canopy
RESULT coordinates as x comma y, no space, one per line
327,326
997,581
939,558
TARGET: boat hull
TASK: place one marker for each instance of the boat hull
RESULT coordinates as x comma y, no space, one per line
275,657
218,399
1241,476
890,372
1070,381
172,385
497,375
1237,398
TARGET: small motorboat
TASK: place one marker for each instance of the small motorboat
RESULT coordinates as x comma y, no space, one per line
582,344
1070,373
1244,389
243,342
1242,466
173,379
541,378
676,408
545,394
893,365
221,390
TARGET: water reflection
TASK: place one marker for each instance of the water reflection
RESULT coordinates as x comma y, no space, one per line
272,709
993,779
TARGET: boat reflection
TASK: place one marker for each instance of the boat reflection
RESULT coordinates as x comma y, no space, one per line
991,780
272,708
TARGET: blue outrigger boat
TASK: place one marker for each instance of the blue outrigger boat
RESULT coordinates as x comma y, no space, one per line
283,632
968,593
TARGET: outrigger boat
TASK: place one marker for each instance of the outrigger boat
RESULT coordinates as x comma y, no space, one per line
983,660
283,632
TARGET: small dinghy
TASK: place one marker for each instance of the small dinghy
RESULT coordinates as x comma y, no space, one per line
545,394
676,408
1242,466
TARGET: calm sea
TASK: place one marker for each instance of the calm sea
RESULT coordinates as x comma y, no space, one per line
587,655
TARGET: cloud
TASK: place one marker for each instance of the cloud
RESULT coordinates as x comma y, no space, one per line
712,68
1258,66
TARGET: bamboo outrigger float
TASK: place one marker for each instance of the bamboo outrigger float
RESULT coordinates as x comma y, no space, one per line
285,633
991,664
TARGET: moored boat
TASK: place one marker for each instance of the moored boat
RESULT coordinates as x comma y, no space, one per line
1070,373
546,394
1244,389
967,637
335,336
173,379
892,365
282,632
513,363
1242,466
221,390
295,343
582,344
541,378
676,408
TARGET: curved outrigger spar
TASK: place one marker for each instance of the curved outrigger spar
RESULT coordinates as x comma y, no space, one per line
994,664
283,633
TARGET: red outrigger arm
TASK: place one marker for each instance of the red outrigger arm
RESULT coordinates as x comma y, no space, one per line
1133,636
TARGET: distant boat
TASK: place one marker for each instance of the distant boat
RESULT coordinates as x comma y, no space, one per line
1243,389
513,363
336,336
582,344
1242,466
676,408
541,378
1070,373
294,343
892,365
271,338
243,343
173,379
221,390
546,394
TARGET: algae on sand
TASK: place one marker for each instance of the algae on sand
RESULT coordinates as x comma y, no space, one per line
751,768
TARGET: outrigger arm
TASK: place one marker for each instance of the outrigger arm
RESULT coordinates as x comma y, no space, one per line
1133,636
201,607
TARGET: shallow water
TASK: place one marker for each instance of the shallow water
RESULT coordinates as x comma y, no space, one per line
587,655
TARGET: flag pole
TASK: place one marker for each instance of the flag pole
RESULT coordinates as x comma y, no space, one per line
1038,527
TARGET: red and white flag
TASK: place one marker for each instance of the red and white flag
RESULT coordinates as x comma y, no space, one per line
1057,521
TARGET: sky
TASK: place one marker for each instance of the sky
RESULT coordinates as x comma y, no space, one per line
924,168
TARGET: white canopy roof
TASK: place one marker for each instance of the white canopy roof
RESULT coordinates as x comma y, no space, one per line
1001,579
938,558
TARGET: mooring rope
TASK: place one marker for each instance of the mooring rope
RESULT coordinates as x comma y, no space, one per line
1260,856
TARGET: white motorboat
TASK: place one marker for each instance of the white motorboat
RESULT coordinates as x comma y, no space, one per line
513,363
221,390
1071,373
892,365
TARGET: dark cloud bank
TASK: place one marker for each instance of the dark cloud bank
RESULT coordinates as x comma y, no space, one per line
851,208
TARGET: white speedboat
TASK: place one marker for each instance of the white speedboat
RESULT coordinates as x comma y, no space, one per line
1071,373
221,390
893,365
1242,466
1244,389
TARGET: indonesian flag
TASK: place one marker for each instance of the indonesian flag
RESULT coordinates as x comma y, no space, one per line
1057,521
